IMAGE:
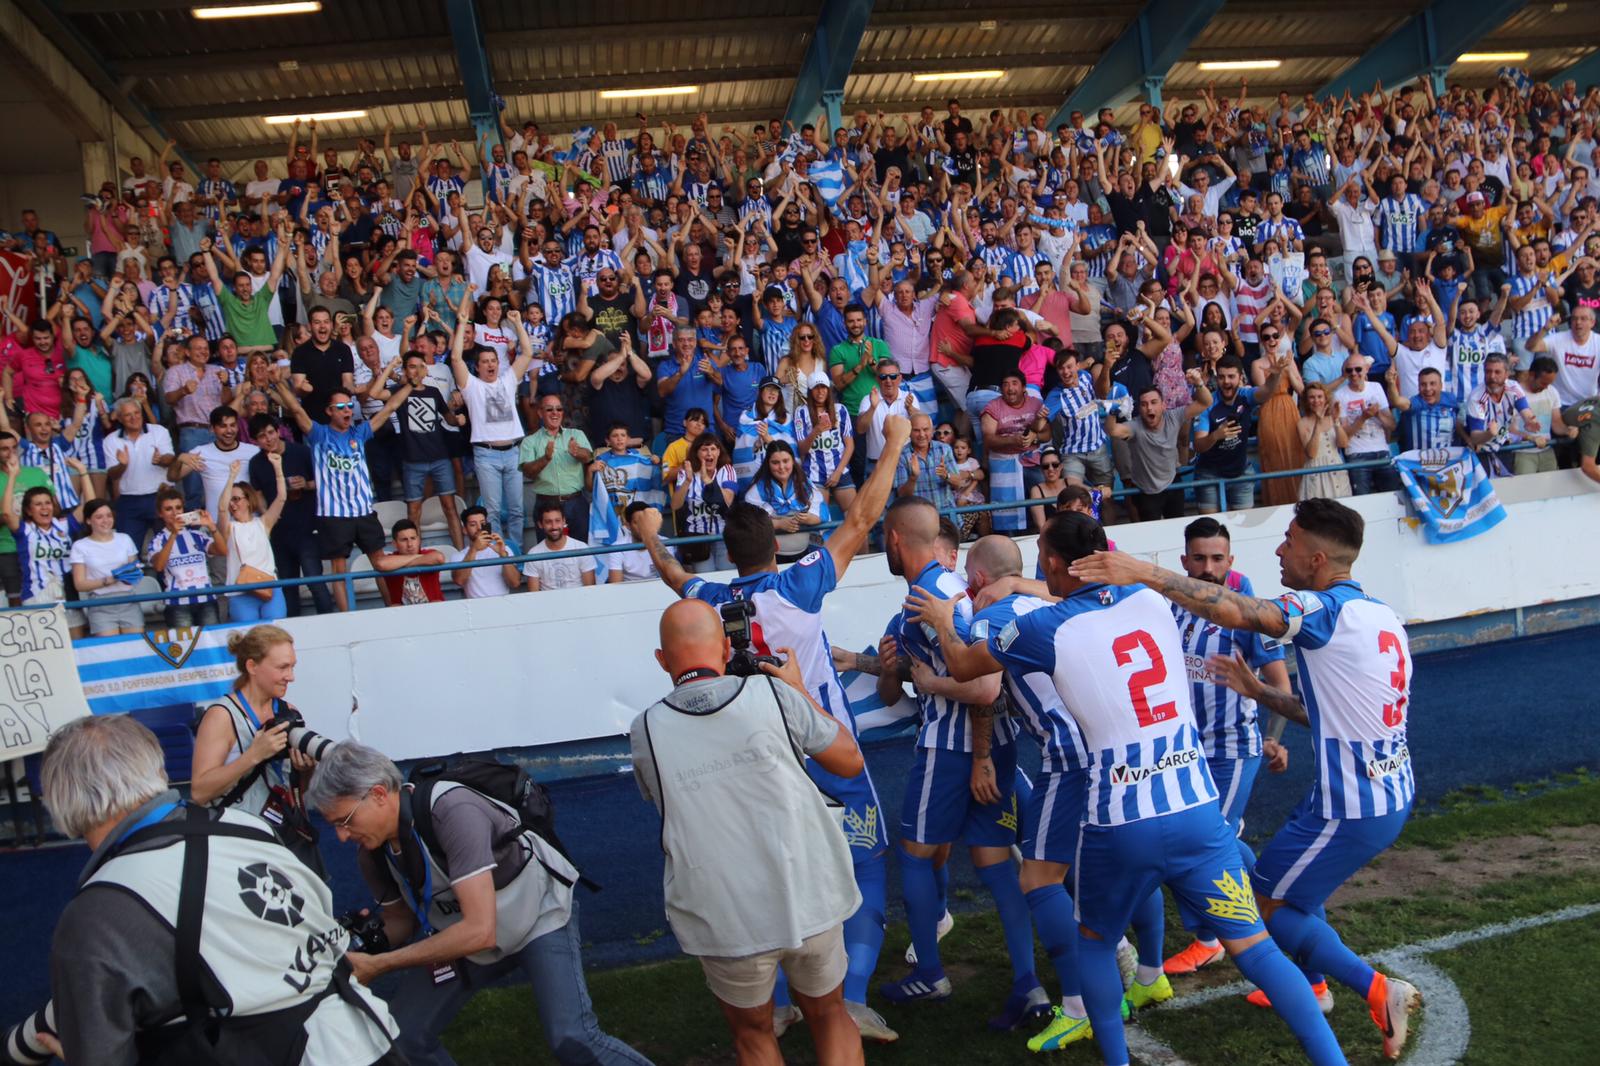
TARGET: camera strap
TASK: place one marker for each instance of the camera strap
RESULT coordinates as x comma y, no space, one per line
699,673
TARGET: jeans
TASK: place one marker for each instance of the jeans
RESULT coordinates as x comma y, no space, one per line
500,484
248,607
553,965
1241,496
301,559
189,615
1371,478
136,516
194,493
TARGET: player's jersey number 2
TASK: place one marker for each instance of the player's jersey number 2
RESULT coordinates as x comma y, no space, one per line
1142,680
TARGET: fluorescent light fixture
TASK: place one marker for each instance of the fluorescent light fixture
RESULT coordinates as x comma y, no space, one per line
662,90
247,11
1243,64
320,116
958,75
1491,57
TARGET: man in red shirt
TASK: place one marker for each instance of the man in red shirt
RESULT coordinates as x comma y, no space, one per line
405,589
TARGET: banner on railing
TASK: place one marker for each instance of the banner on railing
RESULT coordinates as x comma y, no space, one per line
1450,492
158,668
39,692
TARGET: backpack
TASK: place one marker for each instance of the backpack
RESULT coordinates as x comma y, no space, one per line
502,782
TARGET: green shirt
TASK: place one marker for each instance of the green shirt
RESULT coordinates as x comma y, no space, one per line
96,366
849,354
562,475
29,477
247,321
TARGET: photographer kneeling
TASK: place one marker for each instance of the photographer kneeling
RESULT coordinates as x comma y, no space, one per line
487,896
757,874
195,938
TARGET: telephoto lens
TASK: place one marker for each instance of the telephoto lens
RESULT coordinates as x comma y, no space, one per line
301,739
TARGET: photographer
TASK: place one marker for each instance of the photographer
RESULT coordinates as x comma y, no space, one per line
483,895
242,742
757,874
195,938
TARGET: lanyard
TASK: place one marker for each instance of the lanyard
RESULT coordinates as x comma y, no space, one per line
148,820
420,904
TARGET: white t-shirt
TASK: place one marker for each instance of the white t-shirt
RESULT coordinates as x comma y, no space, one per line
142,477
100,558
559,573
483,582
1411,363
1371,436
903,405
257,189
479,262
500,338
214,475
1542,405
1577,365
492,409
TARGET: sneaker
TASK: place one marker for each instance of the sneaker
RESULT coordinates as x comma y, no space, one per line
1127,962
870,1022
1321,990
1196,956
1141,996
1062,1030
946,924
1391,1000
916,988
1030,1006
783,1017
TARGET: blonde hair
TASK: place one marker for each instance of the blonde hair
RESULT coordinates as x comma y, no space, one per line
253,645
1305,398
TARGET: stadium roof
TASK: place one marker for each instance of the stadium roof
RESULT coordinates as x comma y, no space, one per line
210,83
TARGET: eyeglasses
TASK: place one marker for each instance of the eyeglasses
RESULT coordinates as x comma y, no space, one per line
552,407
888,377
1269,336
1321,332
943,433
344,823
342,406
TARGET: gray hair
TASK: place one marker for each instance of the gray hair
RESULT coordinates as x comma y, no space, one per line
99,768
117,407
350,770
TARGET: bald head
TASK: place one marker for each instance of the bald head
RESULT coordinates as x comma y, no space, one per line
992,557
691,638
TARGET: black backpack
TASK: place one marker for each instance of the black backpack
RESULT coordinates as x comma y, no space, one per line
503,782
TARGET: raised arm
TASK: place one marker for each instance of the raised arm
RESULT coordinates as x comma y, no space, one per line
1216,603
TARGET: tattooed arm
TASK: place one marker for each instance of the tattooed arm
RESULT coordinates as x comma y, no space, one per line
863,663
1235,672
1216,603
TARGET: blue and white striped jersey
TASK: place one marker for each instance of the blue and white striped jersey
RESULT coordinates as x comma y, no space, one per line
1355,677
53,461
344,485
654,186
186,563
748,450
45,556
586,266
216,189
1397,222
946,723
1464,357
497,180
826,453
756,205
1228,723
1428,425
1284,230
1312,162
1112,652
772,341
557,288
631,478
619,159
1033,695
1082,418
1537,312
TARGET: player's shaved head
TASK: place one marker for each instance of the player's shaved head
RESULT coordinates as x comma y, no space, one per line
910,529
992,557
691,638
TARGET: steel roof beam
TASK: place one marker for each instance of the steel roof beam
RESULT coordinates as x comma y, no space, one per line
1425,44
1157,38
819,87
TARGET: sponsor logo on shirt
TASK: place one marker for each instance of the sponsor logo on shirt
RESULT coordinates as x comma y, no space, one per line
1393,764
1123,774
1578,360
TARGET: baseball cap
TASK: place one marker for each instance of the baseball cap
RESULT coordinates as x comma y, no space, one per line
769,382
1475,198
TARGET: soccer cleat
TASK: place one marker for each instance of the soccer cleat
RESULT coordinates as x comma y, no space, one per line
917,988
1062,1030
1196,956
1321,990
1390,1001
1157,991
783,1017
1032,1005
946,924
870,1022
1127,962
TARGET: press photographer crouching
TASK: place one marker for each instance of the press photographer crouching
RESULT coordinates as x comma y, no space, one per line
757,874
472,894
195,937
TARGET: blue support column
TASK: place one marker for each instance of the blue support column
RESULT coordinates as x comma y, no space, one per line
819,87
472,59
1585,72
1141,57
1425,45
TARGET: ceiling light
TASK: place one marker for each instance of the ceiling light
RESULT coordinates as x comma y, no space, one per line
245,11
320,116
663,90
1243,64
1491,57
958,75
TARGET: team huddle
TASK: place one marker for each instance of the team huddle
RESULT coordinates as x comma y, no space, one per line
1142,688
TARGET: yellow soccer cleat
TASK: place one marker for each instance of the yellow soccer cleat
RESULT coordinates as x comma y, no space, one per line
1141,996
1062,1030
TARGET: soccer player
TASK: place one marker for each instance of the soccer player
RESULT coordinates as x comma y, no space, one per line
788,614
1355,674
961,786
1230,735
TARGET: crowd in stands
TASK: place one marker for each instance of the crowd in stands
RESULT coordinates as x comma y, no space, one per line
231,378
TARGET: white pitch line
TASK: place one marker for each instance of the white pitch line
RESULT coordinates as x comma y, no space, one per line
1150,1050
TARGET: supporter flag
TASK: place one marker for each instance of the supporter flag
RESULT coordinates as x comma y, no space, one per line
828,176
19,296
604,526
158,668
856,274
1518,77
1451,493
580,144
873,716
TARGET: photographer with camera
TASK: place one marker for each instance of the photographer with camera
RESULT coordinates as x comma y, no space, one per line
195,938
244,740
482,893
784,608
757,873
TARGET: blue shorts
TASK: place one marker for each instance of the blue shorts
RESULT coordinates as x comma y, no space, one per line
1311,855
1234,779
1053,816
1192,852
862,815
414,475
939,808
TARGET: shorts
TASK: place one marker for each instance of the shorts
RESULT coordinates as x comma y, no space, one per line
414,476
1538,461
114,618
1091,468
859,812
1192,852
336,536
1234,779
939,808
814,969
1053,816
1311,855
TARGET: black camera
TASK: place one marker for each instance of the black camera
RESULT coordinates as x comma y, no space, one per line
365,927
301,739
736,618
20,1045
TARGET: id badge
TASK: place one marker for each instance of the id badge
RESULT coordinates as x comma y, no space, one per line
444,973
272,814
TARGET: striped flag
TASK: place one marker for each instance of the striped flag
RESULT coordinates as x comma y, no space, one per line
1451,493
872,715
159,668
604,526
828,176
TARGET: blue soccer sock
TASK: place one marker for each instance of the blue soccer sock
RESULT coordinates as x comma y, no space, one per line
1267,967
921,891
863,930
1150,926
1001,880
1312,941
1102,996
1051,908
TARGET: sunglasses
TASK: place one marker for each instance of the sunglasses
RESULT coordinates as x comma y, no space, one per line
1321,332
1050,466
552,407
1269,336
1355,370
343,406
888,377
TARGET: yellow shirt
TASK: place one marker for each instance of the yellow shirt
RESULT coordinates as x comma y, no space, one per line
1484,234
1147,139
673,458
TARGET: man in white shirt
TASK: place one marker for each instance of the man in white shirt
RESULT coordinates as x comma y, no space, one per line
139,455
1355,217
213,459
483,582
557,573
1576,351
1363,407
876,407
485,252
